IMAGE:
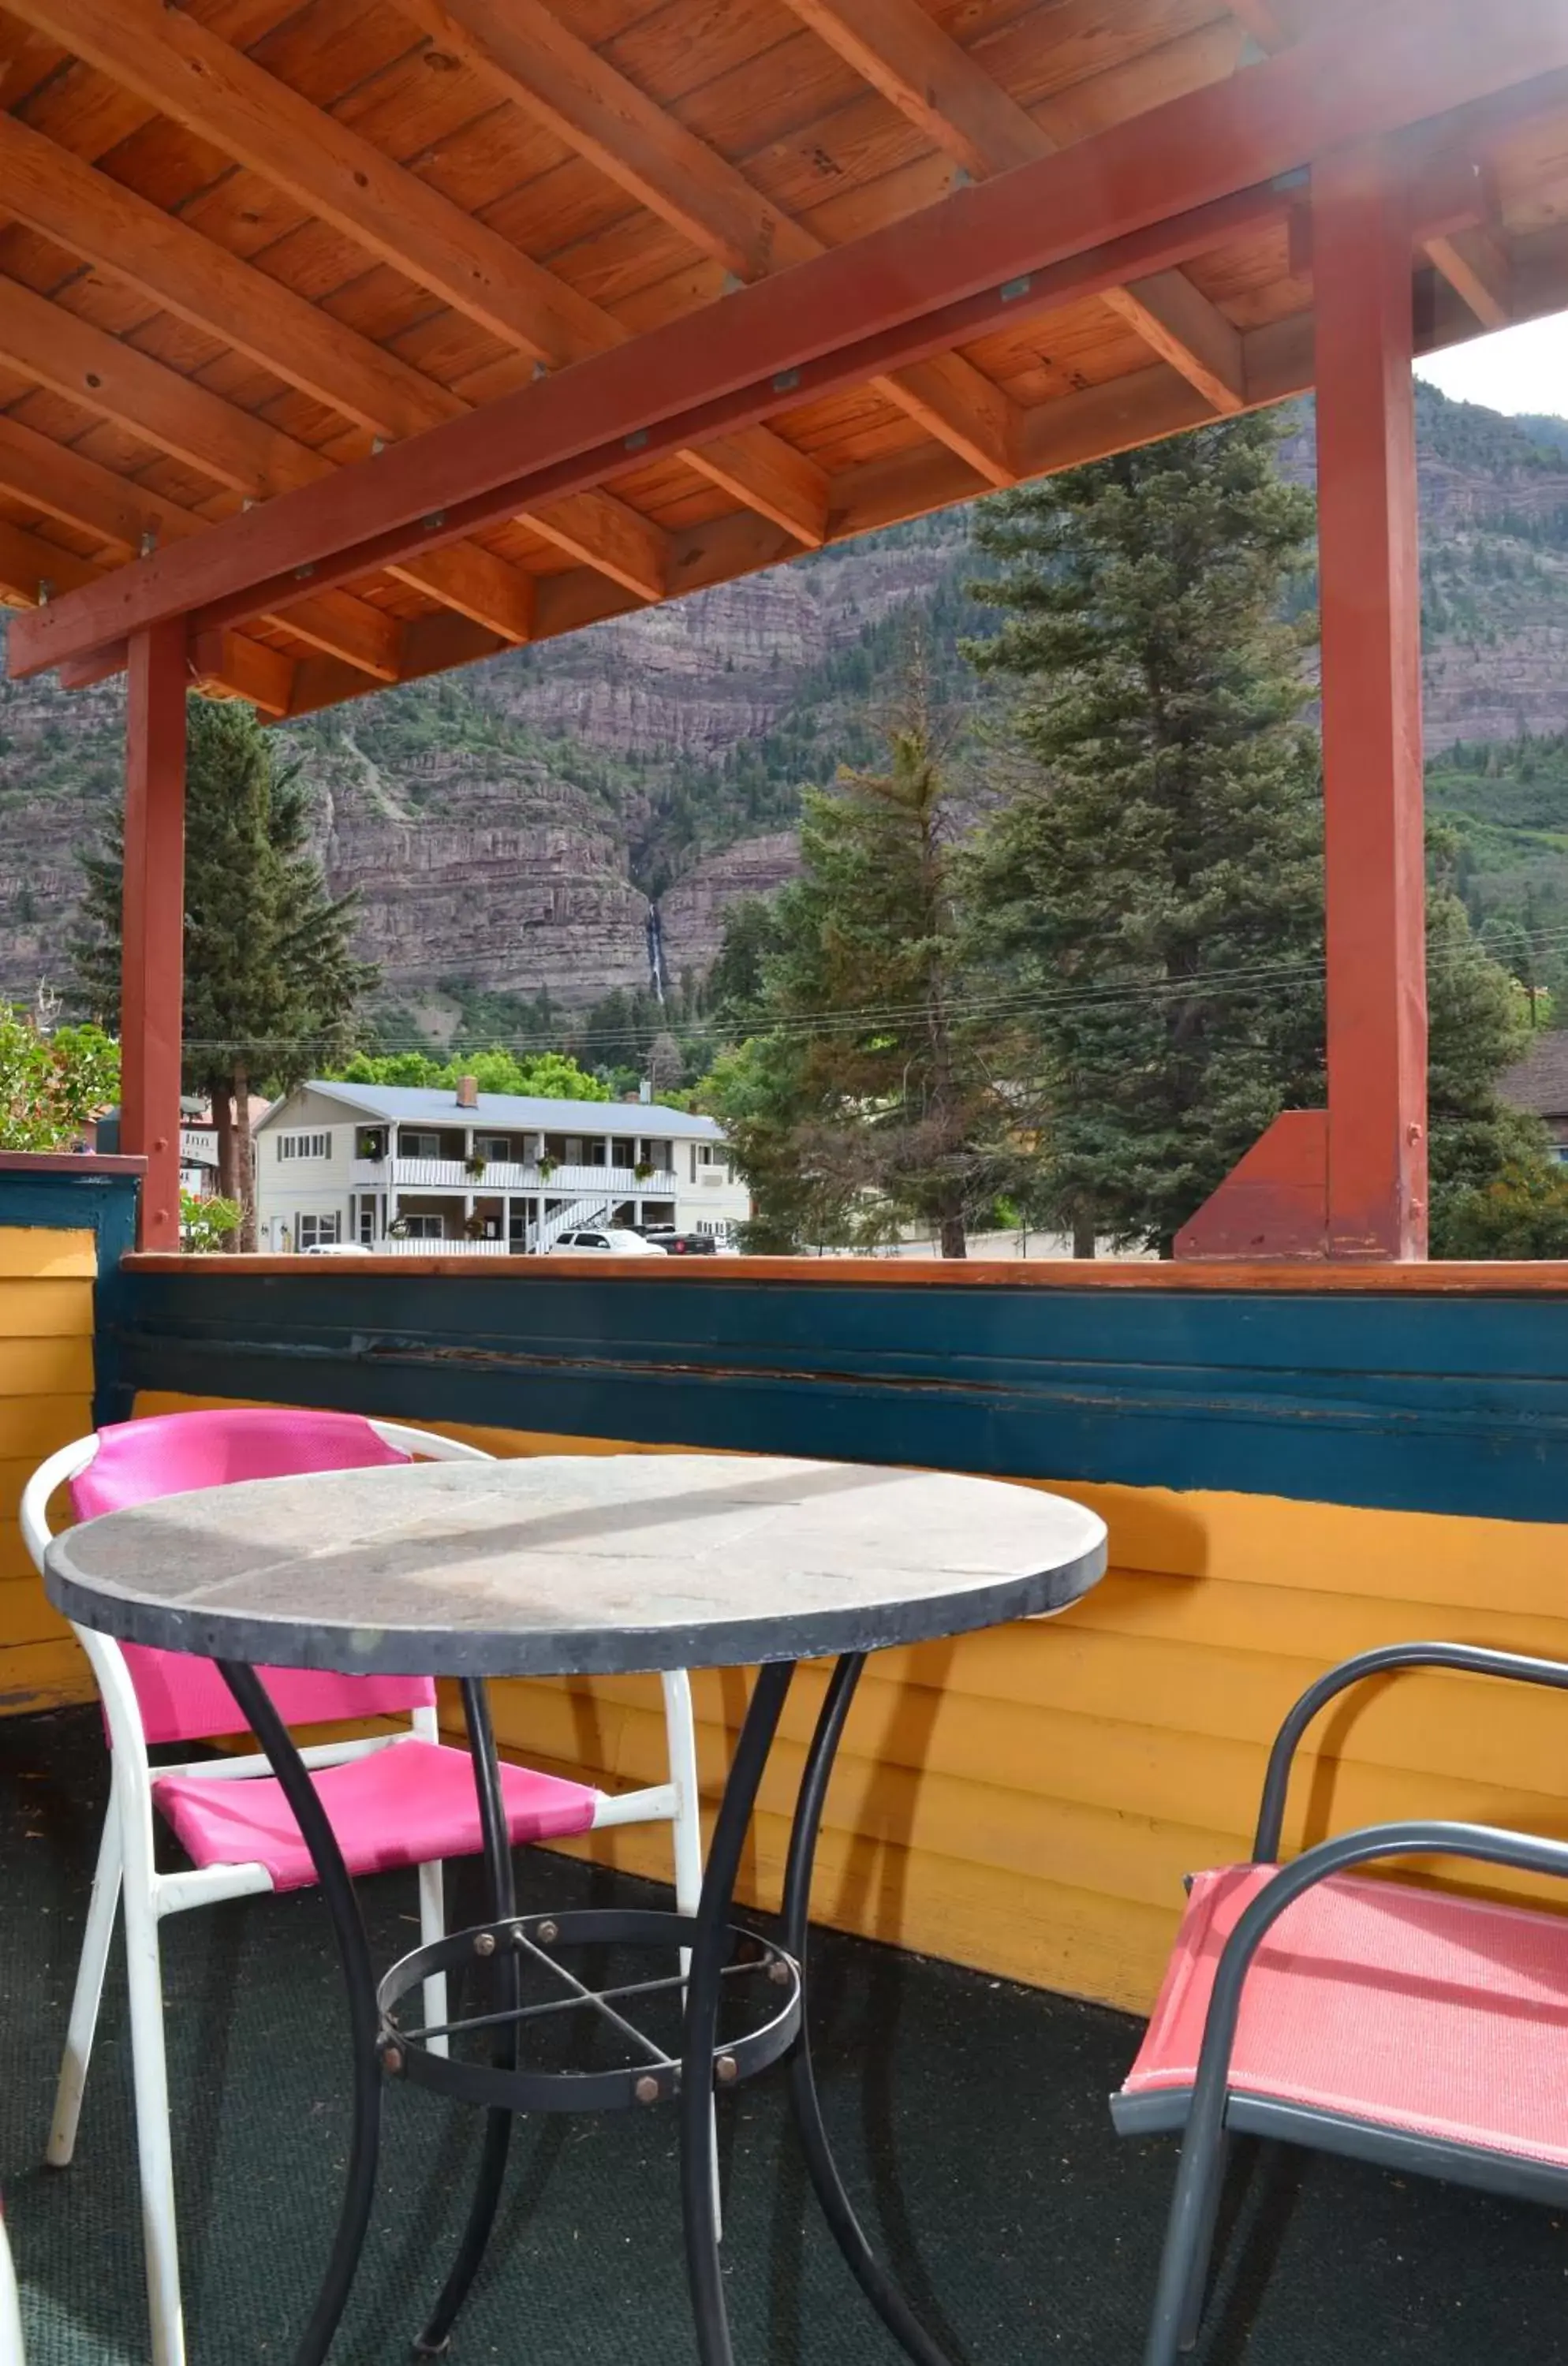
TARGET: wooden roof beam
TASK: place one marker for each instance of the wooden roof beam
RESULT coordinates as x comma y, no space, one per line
181,272
175,267
476,586
543,68
172,62
98,372
170,59
230,665
32,569
901,50
1146,194
610,536
89,368
1479,268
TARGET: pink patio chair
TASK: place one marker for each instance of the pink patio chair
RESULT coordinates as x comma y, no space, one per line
1390,2023
397,1799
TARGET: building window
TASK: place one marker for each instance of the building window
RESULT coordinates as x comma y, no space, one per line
419,1146
498,1146
304,1145
422,1228
319,1231
717,1227
366,1220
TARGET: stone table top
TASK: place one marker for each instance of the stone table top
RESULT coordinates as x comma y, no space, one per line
574,1565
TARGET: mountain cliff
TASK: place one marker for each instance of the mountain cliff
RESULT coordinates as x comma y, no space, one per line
567,819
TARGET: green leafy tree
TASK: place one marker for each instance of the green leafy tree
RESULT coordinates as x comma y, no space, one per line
537,1076
207,1225
272,987
1150,885
860,1106
52,1085
1521,1212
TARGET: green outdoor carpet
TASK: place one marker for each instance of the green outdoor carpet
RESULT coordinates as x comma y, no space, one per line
971,2116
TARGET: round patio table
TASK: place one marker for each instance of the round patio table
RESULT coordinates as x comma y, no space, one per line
581,1565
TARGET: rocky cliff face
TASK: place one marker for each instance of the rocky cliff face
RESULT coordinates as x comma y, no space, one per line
506,829
692,911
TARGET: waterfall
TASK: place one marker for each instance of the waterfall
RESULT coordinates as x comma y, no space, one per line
656,955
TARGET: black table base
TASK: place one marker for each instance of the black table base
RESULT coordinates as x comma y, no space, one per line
719,1959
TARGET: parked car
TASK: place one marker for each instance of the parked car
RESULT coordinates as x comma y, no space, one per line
676,1244
606,1240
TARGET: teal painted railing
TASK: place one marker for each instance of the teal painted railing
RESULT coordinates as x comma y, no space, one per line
1420,1397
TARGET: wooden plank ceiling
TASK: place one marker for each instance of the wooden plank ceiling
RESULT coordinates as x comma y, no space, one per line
245,242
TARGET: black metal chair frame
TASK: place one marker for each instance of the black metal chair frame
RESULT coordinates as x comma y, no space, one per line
1209,2113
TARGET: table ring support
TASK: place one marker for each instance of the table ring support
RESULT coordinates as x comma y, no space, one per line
711,1936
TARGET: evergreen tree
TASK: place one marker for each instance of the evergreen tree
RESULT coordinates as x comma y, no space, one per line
272,989
733,989
1151,888
1488,1161
860,1107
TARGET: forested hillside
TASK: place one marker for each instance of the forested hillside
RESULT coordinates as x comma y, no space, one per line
572,820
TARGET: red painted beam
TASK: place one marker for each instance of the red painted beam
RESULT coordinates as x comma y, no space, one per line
1370,593
153,926
896,294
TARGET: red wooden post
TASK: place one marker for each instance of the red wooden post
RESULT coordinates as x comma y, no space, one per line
1370,572
152,924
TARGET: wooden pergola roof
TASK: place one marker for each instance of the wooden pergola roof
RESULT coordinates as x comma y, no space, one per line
372,336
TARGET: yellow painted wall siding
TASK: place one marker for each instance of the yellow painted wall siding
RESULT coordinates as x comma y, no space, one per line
1028,1800
46,1399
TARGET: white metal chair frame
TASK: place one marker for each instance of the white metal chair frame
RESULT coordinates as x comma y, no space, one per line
126,1861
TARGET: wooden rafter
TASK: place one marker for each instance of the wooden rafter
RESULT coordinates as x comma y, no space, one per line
1151,403
178,66
1479,268
120,232
901,49
638,555
77,491
1188,177
116,231
526,52
101,373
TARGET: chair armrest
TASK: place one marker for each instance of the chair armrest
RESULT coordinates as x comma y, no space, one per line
1480,1844
1468,1659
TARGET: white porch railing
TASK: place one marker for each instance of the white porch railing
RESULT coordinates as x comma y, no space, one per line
501,1176
395,1246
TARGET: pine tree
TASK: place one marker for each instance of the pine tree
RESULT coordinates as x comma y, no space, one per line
1151,887
860,1105
272,989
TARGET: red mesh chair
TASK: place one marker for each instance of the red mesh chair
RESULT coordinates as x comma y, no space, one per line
1393,2024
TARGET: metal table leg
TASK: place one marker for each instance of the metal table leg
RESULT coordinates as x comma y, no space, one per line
705,1981
872,2277
255,1707
502,1905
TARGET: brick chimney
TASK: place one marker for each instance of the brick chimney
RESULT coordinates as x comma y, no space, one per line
468,1093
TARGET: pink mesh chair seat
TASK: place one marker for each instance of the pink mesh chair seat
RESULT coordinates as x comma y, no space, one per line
1427,2015
410,1805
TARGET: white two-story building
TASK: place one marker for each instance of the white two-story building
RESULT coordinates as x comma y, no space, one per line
392,1166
